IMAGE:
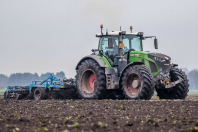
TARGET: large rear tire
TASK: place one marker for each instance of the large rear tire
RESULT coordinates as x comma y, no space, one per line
90,80
180,91
138,83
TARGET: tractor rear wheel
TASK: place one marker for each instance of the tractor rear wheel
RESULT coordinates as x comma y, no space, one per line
138,83
39,93
180,91
90,80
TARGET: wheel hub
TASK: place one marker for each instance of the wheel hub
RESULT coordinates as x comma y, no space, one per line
89,81
133,84
92,81
38,94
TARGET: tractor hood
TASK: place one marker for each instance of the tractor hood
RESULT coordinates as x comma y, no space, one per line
162,61
159,56
152,54
156,61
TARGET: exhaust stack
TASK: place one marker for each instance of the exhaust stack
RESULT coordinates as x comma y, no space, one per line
121,62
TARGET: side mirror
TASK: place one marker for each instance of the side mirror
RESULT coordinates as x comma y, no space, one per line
155,43
110,43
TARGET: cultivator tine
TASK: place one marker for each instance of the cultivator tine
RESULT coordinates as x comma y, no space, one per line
16,92
69,83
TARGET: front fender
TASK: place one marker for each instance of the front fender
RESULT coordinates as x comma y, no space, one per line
94,57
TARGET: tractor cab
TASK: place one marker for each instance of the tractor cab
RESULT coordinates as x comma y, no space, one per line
109,45
118,44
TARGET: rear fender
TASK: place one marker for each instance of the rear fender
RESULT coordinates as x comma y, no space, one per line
130,64
94,57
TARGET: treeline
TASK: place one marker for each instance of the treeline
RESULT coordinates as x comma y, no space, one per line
18,79
193,79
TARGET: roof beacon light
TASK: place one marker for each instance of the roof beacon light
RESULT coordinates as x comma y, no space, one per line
101,26
131,28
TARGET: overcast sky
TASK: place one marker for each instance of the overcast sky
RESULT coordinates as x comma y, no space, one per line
53,35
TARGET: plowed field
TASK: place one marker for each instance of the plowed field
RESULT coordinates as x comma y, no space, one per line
99,115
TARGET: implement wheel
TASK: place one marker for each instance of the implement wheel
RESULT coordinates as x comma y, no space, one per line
90,80
138,83
180,91
39,93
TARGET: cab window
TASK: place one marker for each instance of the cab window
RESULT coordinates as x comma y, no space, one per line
104,44
132,42
109,53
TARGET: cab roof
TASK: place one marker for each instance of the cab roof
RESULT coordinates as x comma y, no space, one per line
116,33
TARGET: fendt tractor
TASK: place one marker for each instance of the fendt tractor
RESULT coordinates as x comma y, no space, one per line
121,65
119,68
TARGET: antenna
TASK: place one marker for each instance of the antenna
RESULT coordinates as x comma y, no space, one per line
120,28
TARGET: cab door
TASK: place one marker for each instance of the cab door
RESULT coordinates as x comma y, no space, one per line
109,47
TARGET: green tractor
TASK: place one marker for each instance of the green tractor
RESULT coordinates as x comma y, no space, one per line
120,66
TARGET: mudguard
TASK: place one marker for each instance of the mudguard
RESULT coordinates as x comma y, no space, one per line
94,57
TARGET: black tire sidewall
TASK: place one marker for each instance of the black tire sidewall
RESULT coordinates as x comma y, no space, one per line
42,92
147,82
180,90
94,67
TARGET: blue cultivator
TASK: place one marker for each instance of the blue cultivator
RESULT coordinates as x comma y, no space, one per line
39,89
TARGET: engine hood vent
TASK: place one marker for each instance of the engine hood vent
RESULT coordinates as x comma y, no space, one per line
162,61
162,56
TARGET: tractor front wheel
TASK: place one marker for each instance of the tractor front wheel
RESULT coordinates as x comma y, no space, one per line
138,83
179,91
90,80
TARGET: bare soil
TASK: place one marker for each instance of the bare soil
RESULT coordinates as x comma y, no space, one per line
99,115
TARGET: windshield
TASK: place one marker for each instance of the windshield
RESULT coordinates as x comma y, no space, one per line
130,42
